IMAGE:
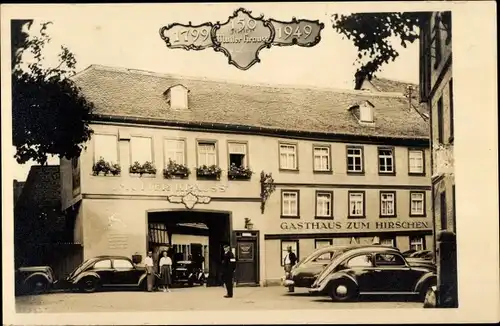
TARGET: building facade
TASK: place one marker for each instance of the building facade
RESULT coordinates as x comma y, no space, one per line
263,167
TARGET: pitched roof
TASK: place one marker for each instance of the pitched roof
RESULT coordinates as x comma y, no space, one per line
389,85
42,188
139,94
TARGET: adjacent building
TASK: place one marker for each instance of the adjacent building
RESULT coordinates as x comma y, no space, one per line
262,167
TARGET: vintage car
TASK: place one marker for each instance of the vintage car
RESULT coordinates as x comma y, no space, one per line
107,272
185,272
304,273
373,270
34,279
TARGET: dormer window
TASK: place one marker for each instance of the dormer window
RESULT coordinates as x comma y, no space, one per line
364,112
177,97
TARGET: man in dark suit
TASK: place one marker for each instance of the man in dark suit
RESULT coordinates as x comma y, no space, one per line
289,261
228,267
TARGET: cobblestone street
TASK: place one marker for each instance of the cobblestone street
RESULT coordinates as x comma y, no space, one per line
200,298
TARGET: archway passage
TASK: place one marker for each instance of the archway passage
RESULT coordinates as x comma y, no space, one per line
218,230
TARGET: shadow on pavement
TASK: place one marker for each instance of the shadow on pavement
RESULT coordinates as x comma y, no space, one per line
375,298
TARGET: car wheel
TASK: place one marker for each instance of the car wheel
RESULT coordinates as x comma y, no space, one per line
342,291
37,286
89,284
425,289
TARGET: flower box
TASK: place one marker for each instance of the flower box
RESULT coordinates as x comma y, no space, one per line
175,170
239,173
101,167
212,172
146,168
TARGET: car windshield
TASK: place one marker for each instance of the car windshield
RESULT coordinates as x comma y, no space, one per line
82,266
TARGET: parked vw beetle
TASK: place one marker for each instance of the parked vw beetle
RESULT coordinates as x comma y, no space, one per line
34,279
107,272
373,270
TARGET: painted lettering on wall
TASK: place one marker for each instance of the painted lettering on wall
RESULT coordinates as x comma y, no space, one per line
172,188
351,225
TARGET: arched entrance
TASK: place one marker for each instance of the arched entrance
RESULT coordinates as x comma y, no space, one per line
184,222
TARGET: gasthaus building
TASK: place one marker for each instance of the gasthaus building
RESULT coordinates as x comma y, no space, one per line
261,167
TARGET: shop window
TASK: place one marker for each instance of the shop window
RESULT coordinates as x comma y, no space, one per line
417,203
141,150
288,157
238,154
391,242
321,158
105,147
386,161
387,204
324,204
290,203
294,245
355,159
321,244
207,153
356,204
416,161
417,243
175,151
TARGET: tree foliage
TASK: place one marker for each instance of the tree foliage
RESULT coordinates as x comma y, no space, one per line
371,34
49,114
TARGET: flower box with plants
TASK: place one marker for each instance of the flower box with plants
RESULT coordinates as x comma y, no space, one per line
146,168
239,172
102,167
212,172
176,170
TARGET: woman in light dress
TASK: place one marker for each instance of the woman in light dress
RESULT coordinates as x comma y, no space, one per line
165,271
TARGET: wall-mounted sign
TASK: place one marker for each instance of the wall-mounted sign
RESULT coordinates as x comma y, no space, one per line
180,188
347,225
243,36
189,200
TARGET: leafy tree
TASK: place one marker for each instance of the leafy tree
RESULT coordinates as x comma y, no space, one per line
371,34
49,114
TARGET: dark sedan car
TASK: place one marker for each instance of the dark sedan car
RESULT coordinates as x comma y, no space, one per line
373,270
107,272
34,279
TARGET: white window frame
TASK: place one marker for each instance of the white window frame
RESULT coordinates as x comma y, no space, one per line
322,205
97,156
288,152
388,161
362,210
422,200
174,149
141,148
355,156
288,204
391,240
244,152
326,243
414,168
199,145
417,243
383,208
319,158
295,249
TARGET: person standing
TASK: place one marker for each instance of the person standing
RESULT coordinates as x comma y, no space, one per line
150,278
289,261
228,267
165,271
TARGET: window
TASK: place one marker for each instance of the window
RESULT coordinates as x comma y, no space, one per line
237,154
284,249
354,159
324,204
141,150
389,260
175,151
388,242
321,244
437,39
443,211
385,160
416,161
103,264
207,153
106,147
360,261
321,158
440,118
417,204
452,129
288,156
122,264
290,203
387,204
417,243
356,204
